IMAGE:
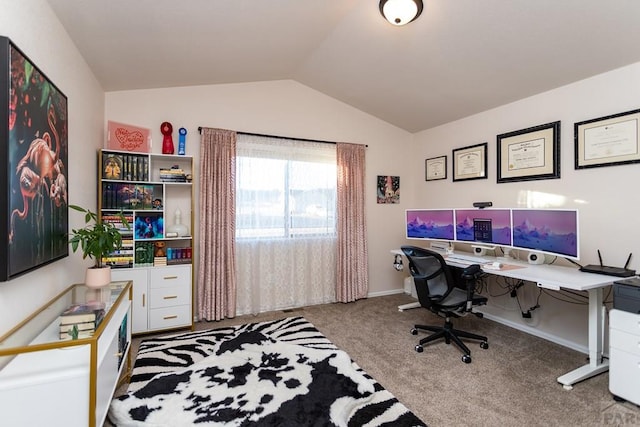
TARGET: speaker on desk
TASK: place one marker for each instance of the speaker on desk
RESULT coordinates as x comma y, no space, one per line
535,257
479,250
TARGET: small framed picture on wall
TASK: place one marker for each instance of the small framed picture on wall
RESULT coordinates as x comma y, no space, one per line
388,189
435,168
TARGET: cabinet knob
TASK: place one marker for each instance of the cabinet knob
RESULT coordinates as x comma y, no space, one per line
170,317
171,297
170,277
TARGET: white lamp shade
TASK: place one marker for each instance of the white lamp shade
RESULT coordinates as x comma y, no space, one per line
400,12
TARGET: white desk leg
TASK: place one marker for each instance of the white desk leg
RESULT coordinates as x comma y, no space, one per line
596,339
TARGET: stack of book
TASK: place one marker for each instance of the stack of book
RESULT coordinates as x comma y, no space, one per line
175,174
128,196
80,320
123,257
124,166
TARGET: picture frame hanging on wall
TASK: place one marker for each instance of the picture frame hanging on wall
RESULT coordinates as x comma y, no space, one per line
388,189
470,162
607,141
435,168
34,153
529,154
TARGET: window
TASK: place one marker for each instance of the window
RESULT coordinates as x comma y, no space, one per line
284,188
285,223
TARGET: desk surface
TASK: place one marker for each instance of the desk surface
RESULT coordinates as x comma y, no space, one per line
545,275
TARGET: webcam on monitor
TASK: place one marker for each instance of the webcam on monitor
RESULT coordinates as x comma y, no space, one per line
482,205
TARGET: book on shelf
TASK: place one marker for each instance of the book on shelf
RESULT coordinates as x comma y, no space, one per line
116,221
172,175
80,313
173,170
121,252
82,326
119,261
81,334
112,167
125,167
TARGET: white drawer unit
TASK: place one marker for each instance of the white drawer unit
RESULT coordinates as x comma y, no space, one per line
169,317
624,355
162,297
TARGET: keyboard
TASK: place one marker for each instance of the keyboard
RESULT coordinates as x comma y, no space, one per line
467,259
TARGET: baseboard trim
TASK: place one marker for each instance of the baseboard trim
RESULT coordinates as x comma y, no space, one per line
385,293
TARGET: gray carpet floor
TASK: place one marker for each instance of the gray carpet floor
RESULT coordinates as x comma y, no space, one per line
512,383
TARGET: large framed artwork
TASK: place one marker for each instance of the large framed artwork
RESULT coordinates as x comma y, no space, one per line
34,158
470,162
529,154
608,141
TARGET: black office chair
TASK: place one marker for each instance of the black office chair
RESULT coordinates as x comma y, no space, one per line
439,292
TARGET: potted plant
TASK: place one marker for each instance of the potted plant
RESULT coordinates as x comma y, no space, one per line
97,240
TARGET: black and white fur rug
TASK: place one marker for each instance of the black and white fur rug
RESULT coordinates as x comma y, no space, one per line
278,373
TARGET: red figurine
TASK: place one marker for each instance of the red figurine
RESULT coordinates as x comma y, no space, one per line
167,142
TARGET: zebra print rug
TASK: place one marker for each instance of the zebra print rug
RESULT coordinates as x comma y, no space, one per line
278,373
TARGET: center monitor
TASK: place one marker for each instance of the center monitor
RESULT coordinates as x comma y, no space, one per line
492,226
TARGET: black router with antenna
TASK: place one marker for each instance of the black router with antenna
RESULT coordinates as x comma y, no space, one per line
609,270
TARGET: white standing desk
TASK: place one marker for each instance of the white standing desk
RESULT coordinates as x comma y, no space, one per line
557,277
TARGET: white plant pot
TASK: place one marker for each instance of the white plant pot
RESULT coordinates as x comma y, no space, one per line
97,277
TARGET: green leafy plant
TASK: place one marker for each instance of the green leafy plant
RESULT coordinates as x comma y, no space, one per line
97,239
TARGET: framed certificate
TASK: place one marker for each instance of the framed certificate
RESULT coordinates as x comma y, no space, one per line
470,162
529,154
607,141
435,168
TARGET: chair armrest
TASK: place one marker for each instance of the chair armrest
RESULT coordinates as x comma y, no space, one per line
470,275
472,272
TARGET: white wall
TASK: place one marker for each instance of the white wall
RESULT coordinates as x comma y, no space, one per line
606,197
284,108
35,29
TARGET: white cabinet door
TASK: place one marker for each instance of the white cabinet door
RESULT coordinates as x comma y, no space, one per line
140,300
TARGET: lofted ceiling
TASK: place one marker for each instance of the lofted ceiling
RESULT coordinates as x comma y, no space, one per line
460,57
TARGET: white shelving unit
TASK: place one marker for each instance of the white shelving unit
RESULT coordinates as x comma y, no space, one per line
149,189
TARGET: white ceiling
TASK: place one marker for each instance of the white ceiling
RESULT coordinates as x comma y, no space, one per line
458,58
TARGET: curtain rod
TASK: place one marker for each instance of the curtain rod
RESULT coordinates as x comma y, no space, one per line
281,137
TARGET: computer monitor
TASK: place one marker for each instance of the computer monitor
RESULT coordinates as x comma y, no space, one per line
491,226
434,224
552,231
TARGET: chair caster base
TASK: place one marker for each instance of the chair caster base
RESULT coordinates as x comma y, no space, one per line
484,345
419,348
414,331
466,358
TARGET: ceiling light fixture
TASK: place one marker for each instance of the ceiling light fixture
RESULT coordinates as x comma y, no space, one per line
400,12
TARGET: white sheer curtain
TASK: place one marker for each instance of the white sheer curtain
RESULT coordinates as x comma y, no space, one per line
285,223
